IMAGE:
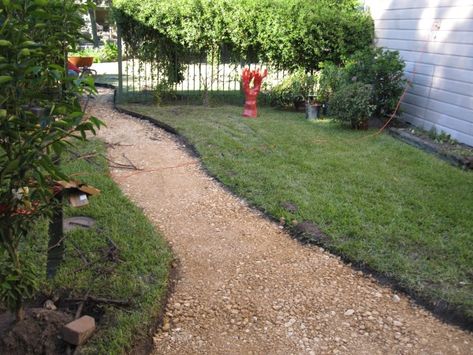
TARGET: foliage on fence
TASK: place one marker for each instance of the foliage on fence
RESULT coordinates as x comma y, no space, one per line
38,110
288,34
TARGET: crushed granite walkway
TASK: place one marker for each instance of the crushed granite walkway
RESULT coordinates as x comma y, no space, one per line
245,286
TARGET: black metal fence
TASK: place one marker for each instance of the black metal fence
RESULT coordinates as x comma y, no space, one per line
201,78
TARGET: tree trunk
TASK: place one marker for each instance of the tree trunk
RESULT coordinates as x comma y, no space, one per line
93,24
20,312
56,238
13,252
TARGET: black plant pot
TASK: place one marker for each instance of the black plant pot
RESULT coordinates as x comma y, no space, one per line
325,109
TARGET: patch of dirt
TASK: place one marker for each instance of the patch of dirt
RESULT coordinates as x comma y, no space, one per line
38,333
308,231
290,207
444,142
247,287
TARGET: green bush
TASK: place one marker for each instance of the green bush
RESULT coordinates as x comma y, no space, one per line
351,103
384,70
294,89
311,32
331,77
288,34
163,92
40,114
107,53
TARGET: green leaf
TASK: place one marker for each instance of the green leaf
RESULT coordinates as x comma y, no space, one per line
56,74
29,44
11,166
5,79
25,52
58,147
55,67
98,123
5,43
41,2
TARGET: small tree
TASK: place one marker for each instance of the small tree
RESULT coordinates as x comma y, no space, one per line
39,114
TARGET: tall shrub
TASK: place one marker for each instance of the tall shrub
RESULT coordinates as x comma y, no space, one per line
351,103
39,110
384,71
288,34
312,32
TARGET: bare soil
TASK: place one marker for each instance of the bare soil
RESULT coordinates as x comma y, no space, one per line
245,286
38,333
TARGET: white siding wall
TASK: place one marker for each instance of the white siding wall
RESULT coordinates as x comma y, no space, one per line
435,38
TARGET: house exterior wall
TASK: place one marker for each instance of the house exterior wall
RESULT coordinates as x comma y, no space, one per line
435,38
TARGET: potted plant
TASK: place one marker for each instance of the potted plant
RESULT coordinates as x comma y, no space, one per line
300,91
313,107
313,96
300,87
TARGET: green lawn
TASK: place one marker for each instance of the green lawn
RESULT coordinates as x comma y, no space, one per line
382,203
141,275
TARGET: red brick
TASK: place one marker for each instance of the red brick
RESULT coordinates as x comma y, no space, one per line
78,331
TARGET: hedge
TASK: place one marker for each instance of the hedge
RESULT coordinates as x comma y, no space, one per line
288,34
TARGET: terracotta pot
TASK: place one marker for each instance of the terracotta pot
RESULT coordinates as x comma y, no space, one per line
81,61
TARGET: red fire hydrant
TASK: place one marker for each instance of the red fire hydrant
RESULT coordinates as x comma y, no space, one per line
251,93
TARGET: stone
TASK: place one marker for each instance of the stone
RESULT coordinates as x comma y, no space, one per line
78,331
166,327
49,305
290,323
78,222
349,312
396,298
396,323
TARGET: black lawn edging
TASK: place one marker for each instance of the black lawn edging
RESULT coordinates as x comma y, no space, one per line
442,309
432,148
144,343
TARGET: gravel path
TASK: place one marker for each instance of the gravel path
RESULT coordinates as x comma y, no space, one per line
244,285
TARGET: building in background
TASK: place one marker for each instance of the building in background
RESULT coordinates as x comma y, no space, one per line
435,38
99,23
